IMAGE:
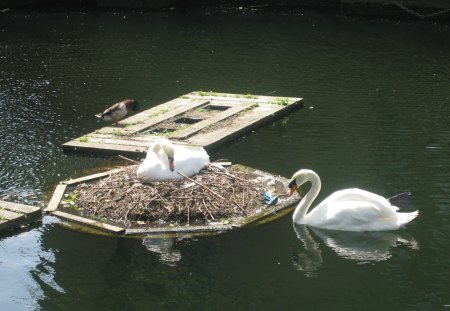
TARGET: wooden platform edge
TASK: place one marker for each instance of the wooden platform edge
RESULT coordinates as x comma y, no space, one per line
11,219
89,222
266,214
16,214
129,141
56,198
223,138
28,210
78,146
179,230
90,177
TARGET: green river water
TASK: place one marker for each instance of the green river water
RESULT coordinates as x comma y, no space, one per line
376,116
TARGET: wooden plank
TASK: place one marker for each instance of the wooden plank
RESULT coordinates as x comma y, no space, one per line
106,148
224,164
138,147
197,127
117,140
89,222
15,214
56,198
138,123
140,140
184,229
10,219
91,177
9,215
146,119
131,140
242,124
29,211
227,97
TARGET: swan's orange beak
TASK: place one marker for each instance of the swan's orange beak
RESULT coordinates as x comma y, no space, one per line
171,164
292,187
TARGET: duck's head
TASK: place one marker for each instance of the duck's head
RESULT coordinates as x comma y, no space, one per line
132,104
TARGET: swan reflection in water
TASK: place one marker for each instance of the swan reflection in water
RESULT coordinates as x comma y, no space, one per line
164,247
363,247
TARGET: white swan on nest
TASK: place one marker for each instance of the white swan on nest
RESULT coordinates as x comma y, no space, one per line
349,209
164,161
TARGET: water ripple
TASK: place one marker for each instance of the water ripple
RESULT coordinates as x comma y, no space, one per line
26,266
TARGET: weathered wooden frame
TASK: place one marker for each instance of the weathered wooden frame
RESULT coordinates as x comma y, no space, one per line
267,214
13,215
247,112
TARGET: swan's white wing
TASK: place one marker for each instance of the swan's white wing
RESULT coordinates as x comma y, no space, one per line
156,165
355,194
190,162
353,210
360,211
153,169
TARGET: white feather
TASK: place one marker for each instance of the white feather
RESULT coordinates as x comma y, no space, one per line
187,161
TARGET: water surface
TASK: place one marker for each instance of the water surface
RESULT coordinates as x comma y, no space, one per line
376,116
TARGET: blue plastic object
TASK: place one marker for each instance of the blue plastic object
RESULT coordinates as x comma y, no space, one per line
270,200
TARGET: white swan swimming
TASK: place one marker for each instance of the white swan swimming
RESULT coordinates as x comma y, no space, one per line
164,160
349,209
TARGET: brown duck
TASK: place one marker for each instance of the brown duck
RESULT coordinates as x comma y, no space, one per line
118,110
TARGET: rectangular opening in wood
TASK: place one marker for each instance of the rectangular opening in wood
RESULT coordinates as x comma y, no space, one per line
188,120
216,107
161,131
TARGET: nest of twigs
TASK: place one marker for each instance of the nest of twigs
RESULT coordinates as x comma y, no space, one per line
212,195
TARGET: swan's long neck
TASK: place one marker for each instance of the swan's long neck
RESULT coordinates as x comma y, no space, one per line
310,196
163,145
156,148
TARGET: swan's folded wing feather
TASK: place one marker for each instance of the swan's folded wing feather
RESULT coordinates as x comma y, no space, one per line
355,194
189,161
360,211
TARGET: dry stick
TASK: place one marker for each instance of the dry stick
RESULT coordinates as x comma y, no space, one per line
188,211
129,160
218,195
221,160
204,204
230,175
164,203
129,210
212,191
188,214
180,189
240,207
153,196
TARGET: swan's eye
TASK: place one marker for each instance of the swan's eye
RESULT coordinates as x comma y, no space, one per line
293,183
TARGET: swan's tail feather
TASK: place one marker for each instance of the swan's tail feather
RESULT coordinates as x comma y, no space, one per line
401,200
404,218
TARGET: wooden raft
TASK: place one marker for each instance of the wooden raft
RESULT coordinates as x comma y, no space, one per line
265,214
13,215
200,119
